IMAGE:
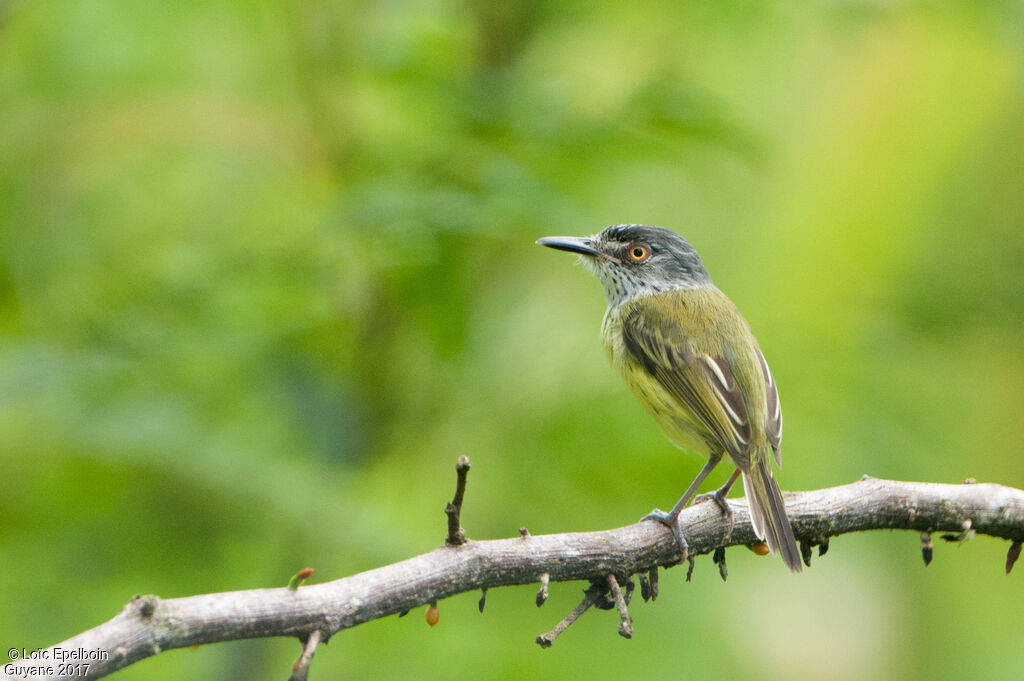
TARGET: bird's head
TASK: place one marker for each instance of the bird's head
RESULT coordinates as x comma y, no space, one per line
634,260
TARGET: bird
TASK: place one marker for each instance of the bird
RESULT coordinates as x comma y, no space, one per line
691,359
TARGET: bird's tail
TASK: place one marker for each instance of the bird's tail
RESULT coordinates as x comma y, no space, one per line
768,513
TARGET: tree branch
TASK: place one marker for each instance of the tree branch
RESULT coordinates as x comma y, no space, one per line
149,625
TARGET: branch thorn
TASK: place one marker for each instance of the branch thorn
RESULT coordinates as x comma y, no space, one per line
965,535
645,587
719,558
926,547
542,595
805,552
483,599
457,535
1012,555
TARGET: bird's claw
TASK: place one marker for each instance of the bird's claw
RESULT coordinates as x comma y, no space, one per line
719,499
671,521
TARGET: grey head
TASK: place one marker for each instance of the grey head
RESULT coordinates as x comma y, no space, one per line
636,260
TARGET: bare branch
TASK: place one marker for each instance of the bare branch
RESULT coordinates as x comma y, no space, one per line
625,621
590,596
149,625
300,671
457,535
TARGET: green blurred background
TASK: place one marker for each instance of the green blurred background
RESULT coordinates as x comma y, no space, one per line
268,270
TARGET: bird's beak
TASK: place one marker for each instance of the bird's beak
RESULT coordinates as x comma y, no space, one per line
573,244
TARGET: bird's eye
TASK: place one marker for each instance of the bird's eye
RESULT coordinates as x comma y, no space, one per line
639,252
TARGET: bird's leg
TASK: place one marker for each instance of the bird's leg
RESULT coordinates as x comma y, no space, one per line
719,495
671,519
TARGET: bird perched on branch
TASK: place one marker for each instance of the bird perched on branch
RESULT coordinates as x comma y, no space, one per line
691,359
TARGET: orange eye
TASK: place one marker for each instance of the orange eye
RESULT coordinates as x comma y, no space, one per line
639,252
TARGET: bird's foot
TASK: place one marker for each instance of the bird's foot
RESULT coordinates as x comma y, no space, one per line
718,496
671,521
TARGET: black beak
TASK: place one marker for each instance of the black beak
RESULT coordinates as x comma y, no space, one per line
573,244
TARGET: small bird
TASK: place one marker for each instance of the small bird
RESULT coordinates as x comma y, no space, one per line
691,359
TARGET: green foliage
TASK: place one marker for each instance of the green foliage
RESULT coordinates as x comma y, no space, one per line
267,270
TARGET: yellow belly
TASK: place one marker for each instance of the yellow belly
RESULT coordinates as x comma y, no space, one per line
674,418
